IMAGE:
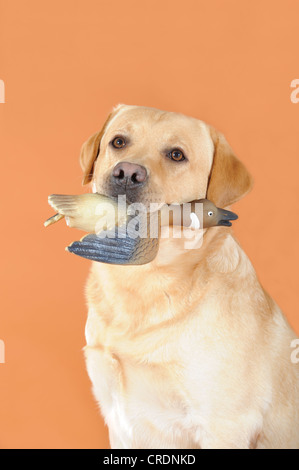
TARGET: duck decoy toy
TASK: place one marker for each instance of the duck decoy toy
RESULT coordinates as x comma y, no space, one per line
115,237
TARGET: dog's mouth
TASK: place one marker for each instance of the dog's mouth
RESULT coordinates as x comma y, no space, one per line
144,194
132,196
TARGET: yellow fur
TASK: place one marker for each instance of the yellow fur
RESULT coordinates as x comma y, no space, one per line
187,351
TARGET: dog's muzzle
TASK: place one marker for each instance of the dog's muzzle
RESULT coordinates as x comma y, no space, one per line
127,179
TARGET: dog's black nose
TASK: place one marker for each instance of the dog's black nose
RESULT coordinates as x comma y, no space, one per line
129,174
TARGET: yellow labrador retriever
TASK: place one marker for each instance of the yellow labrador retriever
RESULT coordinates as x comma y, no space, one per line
188,351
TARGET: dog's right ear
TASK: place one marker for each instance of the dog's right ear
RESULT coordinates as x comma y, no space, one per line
229,180
91,148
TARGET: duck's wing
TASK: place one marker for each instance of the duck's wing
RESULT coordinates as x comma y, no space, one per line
122,249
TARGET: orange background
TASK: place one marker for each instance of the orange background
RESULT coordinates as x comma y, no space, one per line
65,64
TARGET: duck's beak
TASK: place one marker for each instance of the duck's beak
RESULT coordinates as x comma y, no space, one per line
225,217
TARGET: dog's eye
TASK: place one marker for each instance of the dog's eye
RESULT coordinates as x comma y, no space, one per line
176,155
118,142
210,213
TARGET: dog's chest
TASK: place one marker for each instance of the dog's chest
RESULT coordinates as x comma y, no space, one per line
145,406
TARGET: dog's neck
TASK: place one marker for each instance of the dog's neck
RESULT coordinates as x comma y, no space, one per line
145,288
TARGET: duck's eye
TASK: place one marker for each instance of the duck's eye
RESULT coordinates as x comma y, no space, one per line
210,213
118,142
176,155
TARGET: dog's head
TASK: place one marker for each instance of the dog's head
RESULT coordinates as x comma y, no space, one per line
151,155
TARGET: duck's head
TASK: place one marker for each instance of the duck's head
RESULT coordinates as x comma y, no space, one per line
214,216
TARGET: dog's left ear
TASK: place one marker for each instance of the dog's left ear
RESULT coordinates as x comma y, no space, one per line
89,152
229,180
91,148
